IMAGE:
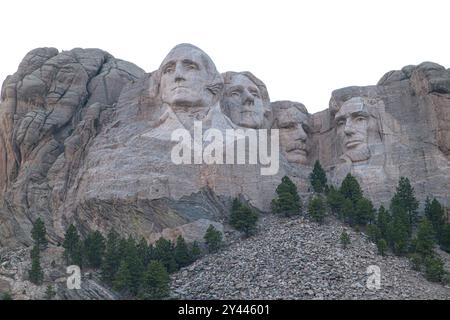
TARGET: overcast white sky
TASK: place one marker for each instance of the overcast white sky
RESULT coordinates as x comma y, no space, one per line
301,50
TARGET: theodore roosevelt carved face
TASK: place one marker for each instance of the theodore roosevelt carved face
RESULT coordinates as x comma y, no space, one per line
293,122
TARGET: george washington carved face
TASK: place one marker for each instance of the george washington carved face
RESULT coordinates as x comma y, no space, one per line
245,100
188,78
294,126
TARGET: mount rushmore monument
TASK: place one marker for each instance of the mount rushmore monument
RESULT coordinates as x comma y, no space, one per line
85,138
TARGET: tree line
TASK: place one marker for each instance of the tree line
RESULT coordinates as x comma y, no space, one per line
133,268
399,228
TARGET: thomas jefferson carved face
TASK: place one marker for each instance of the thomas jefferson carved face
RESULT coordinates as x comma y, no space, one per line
352,122
245,100
293,123
188,78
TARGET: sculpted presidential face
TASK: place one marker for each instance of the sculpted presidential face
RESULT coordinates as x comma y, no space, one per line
188,78
245,100
353,121
294,126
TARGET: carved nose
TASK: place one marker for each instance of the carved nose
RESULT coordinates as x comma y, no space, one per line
248,98
301,134
179,78
178,74
348,130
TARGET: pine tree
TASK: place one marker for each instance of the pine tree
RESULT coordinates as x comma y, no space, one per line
36,274
345,239
235,205
351,189
182,254
94,249
444,241
164,252
156,281
348,211
425,240
196,252
436,215
382,246
434,269
399,231
287,201
122,279
243,218
404,198
364,211
317,209
135,266
383,222
49,293
112,257
318,178
6,296
144,252
335,201
73,247
38,233
213,239
373,233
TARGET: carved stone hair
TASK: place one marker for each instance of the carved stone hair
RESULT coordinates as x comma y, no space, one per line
228,78
215,81
268,115
285,104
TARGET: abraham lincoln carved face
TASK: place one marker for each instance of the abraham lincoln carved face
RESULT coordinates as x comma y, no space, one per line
354,124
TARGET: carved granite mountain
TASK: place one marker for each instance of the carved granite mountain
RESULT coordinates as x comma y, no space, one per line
86,138
400,127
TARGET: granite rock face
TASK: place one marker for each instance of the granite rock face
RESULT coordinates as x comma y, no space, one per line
86,138
51,109
400,127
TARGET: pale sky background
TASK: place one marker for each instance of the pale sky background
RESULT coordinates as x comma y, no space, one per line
301,50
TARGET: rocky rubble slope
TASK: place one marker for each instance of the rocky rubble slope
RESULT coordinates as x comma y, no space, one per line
298,259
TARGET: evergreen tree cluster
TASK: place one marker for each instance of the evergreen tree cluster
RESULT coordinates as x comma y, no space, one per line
287,202
318,178
348,204
317,208
243,218
398,228
133,268
213,239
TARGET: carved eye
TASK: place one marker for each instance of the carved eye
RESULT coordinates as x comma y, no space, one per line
360,118
235,93
341,122
189,65
168,69
288,126
255,94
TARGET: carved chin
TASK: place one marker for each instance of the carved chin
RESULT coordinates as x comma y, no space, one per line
248,120
249,123
296,157
184,97
360,153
